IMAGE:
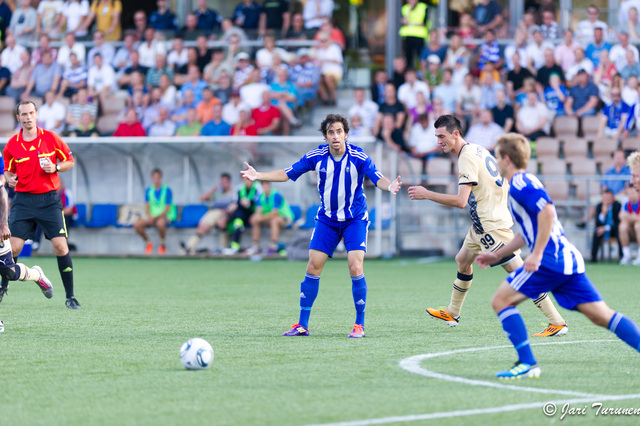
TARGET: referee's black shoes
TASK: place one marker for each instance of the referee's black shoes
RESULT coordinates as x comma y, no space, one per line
72,303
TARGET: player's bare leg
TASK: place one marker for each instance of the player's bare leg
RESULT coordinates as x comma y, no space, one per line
451,315
557,324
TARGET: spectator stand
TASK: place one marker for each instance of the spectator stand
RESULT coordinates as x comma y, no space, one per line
110,177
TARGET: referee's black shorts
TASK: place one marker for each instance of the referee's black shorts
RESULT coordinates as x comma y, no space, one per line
29,210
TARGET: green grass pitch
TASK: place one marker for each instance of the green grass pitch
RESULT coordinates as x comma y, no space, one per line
116,361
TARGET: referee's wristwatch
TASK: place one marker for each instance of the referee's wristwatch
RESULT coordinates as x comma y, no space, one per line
57,167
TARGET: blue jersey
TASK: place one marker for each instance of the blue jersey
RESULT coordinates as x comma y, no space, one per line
528,198
339,182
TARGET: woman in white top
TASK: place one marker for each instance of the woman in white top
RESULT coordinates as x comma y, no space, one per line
329,59
169,91
74,13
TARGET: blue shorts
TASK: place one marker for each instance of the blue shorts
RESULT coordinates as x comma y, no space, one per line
569,290
327,235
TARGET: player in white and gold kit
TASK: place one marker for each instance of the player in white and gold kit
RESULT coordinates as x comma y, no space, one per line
8,268
486,192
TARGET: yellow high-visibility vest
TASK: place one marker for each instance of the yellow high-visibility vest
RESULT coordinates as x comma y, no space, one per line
416,18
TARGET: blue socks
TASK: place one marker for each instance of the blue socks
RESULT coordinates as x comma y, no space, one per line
514,328
308,293
626,330
359,290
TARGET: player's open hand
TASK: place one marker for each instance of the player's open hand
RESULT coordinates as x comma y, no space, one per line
395,186
485,259
250,173
418,193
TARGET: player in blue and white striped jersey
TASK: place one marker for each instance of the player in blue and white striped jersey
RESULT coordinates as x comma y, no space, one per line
554,264
341,168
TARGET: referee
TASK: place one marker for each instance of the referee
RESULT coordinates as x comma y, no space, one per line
32,160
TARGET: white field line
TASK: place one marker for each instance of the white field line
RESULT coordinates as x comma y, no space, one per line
411,364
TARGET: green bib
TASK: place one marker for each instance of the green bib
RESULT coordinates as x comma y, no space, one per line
157,206
267,204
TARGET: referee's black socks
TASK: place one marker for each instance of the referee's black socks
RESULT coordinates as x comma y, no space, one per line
65,266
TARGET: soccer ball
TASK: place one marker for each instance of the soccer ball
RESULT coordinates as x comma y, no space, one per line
196,354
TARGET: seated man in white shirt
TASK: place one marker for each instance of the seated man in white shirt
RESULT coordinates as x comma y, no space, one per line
486,132
102,79
51,114
364,108
408,90
533,118
422,139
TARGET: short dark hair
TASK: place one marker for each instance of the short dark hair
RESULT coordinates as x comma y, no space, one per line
450,122
156,170
225,175
333,118
25,102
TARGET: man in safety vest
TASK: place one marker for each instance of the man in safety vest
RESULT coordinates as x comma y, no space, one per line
160,212
414,30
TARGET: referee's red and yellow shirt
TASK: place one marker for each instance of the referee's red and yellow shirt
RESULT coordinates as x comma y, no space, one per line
23,159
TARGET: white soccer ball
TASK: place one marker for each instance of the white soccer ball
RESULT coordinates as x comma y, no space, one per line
196,354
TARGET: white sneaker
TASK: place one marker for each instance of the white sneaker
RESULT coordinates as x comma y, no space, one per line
636,261
1,327
252,250
626,260
228,251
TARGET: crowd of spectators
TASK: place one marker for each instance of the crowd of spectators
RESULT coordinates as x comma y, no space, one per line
522,85
171,88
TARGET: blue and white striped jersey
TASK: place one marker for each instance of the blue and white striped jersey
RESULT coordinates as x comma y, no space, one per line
528,198
339,182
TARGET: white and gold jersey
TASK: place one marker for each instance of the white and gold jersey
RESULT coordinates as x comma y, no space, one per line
489,191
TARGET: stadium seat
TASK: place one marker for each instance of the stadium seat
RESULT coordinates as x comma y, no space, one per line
310,217
558,190
107,124
575,148
82,215
590,127
386,222
583,166
553,166
532,166
631,144
581,189
565,126
411,170
190,216
604,146
7,104
297,214
547,147
114,106
102,215
439,172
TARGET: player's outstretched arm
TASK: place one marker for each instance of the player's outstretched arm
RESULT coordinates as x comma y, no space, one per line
485,259
272,176
386,185
459,200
